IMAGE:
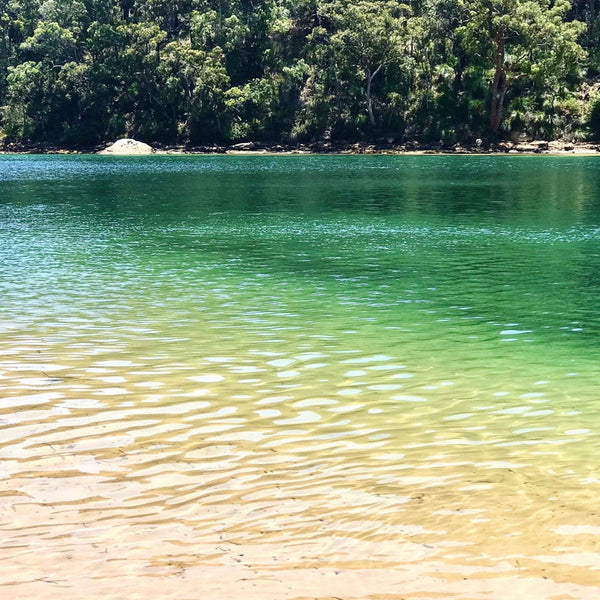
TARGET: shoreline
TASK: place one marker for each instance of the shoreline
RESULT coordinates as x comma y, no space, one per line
538,147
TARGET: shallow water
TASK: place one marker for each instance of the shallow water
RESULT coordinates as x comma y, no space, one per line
299,377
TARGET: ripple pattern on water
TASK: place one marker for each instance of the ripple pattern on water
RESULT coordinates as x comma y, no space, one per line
293,403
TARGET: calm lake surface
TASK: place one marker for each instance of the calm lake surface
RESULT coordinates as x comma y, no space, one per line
257,377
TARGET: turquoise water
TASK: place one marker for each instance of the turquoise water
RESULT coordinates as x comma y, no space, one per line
378,369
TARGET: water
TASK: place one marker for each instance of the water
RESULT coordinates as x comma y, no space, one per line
289,377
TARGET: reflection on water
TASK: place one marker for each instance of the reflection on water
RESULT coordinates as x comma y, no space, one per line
298,377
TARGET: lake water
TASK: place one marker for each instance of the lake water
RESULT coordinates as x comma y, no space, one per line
257,377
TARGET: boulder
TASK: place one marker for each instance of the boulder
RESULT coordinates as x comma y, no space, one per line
127,146
243,146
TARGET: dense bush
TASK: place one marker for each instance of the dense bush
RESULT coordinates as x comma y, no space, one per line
207,71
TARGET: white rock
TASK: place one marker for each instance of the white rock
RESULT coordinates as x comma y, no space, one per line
127,146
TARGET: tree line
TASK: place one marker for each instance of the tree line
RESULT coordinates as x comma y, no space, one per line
199,72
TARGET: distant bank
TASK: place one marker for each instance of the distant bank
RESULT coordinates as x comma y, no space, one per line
134,147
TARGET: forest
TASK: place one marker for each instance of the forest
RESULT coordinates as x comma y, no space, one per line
79,73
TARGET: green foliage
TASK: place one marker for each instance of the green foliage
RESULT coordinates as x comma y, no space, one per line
521,40
194,90
215,71
593,119
50,43
26,85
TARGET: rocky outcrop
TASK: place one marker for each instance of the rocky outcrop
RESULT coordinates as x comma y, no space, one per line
127,146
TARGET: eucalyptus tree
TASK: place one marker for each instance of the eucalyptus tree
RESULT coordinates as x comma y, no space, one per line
69,14
26,86
520,39
5,45
369,37
193,91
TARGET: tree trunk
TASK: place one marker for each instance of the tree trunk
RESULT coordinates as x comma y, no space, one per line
370,99
591,19
370,77
499,85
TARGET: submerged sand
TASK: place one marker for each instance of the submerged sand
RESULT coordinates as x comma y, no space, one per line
212,440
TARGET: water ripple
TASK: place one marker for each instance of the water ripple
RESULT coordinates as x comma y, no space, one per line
199,397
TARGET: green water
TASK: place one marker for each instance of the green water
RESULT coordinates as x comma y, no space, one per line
417,335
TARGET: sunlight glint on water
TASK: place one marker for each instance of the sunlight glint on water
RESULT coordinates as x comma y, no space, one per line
284,377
